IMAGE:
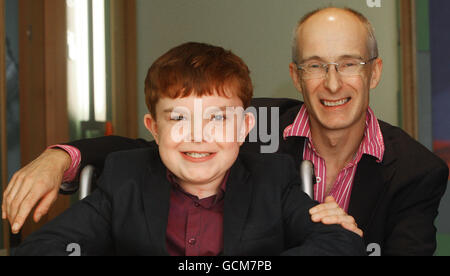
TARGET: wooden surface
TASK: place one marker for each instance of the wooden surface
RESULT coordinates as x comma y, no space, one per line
3,147
124,67
43,104
409,67
43,82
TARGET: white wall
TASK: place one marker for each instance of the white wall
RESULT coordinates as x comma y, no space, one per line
260,32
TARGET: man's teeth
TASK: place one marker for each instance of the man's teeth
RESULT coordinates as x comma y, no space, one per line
338,103
197,155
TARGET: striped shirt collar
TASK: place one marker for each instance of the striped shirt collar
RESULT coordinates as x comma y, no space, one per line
372,144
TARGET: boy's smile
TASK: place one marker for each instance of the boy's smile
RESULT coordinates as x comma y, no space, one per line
198,156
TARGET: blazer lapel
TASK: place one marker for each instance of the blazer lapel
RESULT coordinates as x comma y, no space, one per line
238,196
156,200
293,146
371,180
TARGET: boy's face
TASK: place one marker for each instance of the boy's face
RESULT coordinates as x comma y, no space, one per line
199,137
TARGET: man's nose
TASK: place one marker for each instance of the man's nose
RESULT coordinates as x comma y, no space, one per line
333,79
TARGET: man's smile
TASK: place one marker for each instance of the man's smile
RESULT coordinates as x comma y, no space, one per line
335,103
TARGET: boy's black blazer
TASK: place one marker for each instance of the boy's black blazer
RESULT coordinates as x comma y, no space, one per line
265,213
395,203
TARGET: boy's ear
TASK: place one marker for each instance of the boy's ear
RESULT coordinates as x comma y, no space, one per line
150,124
249,124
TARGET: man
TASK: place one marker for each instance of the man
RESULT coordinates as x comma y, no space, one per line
387,182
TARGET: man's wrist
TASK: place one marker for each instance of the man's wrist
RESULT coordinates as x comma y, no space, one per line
62,156
70,160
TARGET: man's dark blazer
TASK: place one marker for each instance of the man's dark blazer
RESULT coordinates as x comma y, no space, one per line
394,202
265,212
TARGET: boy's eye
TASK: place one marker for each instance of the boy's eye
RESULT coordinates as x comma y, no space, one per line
217,117
177,117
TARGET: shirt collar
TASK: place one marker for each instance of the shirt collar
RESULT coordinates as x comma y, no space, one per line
220,193
372,144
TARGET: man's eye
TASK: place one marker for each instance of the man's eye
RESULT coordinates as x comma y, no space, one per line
349,63
314,65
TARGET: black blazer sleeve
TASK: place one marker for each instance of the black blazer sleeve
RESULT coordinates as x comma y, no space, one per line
416,208
306,238
87,224
94,151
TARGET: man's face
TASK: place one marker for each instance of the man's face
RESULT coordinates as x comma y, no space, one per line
191,133
335,101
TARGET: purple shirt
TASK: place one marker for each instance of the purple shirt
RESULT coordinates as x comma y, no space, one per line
195,226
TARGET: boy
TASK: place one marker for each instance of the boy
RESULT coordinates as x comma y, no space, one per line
195,194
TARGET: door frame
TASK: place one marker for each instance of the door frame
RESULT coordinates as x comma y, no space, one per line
124,67
43,87
43,82
408,55
3,134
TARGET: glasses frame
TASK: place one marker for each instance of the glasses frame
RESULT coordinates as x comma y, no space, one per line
326,65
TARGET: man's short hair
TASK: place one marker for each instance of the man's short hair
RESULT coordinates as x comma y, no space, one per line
372,44
200,69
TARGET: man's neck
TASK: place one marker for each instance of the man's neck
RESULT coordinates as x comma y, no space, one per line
338,147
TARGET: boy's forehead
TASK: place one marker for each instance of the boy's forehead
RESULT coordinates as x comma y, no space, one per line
221,101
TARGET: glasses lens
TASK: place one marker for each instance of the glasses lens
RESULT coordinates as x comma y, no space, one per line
313,70
349,66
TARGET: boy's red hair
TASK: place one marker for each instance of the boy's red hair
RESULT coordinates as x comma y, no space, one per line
199,69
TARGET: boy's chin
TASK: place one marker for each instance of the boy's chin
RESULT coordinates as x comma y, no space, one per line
200,177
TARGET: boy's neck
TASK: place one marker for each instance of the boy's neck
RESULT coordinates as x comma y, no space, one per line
202,190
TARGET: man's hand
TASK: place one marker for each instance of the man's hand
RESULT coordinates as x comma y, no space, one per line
39,180
329,212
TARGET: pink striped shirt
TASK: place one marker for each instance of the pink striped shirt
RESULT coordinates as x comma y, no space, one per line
75,156
372,144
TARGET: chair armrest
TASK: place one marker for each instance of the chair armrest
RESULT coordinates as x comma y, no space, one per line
86,179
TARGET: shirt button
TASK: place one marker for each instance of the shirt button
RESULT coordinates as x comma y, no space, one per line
196,204
318,179
192,241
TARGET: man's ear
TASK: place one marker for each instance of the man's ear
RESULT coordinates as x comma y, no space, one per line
249,124
377,69
151,125
295,76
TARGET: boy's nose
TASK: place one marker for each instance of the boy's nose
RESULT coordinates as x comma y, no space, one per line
197,132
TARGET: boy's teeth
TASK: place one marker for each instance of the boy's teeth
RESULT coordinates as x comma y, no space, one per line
197,155
338,103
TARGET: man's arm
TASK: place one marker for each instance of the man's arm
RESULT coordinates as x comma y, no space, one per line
307,238
40,180
83,229
94,151
413,216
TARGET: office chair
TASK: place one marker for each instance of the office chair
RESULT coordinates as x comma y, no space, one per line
87,178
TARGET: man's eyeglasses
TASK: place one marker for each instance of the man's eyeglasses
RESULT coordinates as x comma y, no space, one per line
346,67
